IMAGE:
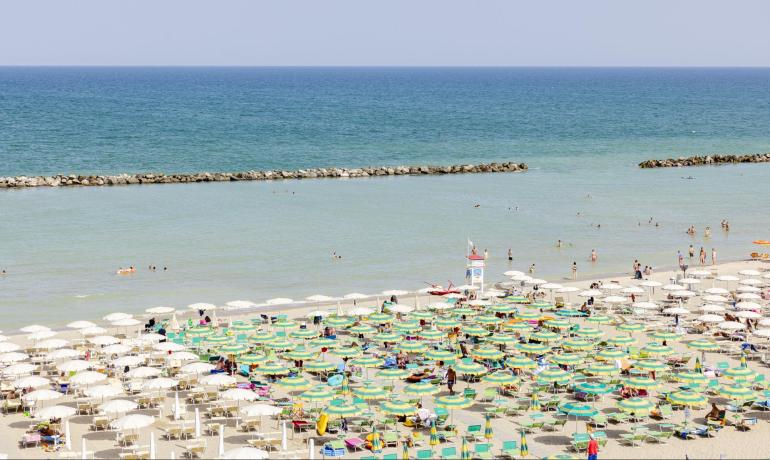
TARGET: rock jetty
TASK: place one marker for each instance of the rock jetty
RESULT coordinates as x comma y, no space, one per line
317,173
706,160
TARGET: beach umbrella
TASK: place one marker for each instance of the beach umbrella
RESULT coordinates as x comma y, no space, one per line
577,344
502,308
738,392
545,336
664,335
433,434
656,349
640,383
500,378
594,388
397,407
218,380
182,356
621,341
630,327
103,340
710,319
453,402
362,329
347,352
527,315
404,451
319,393
744,314
676,311
422,314
694,378
376,440
116,349
518,326
421,389
33,328
281,345
13,357
301,354
611,354
411,346
52,412
532,348
599,319
569,313
431,335
441,355
19,369
318,366
244,453
371,392
567,359
50,344
577,410
260,410
703,344
202,306
650,365
7,347
601,369
41,395
589,332
338,321
636,405
380,318
501,339
80,324
523,449
143,372
160,383
473,330
239,394
31,381
75,365
87,378
465,450
387,337
126,322
554,375
304,334
118,406
520,362
446,323
739,374
340,408
487,353
687,398
104,391
197,368
488,433
469,367
487,320
534,402
393,374
731,326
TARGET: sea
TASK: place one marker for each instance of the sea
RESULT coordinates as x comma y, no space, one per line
582,131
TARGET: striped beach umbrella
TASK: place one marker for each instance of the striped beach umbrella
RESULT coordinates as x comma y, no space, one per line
347,352
487,320
367,361
199,331
433,434
271,368
218,339
262,337
412,346
635,405
432,335
446,323
621,341
376,440
304,334
738,392
464,311
687,398
611,354
558,324
501,308
545,336
285,324
567,359
397,407
422,314
698,365
388,337
323,342
488,433
501,339
407,326
453,402
640,383
554,375
599,319
703,345
338,321
601,369
693,378
235,349
575,409
393,374
252,359
362,329
520,362
656,349
500,378
523,449
465,450
739,374
475,330
577,344
594,388
341,408
318,366
650,365
527,315
532,348
664,335
371,392
470,368
345,387
317,394
243,327
421,389
589,333
487,353
380,318
631,327
281,345
302,354
569,313
441,355
294,383
516,299
518,326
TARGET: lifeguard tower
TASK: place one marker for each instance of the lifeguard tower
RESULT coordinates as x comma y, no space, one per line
474,271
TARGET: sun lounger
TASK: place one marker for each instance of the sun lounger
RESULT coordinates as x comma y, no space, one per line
30,439
195,448
474,433
424,454
355,443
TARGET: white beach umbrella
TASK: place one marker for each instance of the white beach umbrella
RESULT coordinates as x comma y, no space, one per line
103,340
83,451
441,306
750,282
699,272
238,394
13,357
152,446
762,333
710,307
133,422
651,283
748,306
749,272
319,298
31,381
715,298
401,308
672,287
18,369
40,335
243,453
6,347
717,291
479,303
396,292
143,372
160,383
93,330
50,344
611,287
260,410
521,278
751,289
510,273
453,295
202,306
104,391
41,395
279,301
632,290
590,293
360,311
32,328
182,356
57,411
87,378
615,299
67,435
117,316
315,313
240,304
645,305
355,296
218,380
749,296
727,278
131,360
74,365
467,287
80,324
710,319
168,346
535,282
764,322
732,325
197,423
197,368
551,286
684,294
126,322
689,281
160,310
676,311
748,314
116,349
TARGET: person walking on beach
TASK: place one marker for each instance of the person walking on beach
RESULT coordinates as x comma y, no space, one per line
451,379
713,256
593,448
594,256
532,269
574,271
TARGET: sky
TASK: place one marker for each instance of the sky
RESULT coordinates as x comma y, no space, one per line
385,32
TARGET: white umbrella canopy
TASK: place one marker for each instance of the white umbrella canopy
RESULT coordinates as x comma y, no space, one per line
751,289
748,314
238,394
727,278
74,365
279,301
244,453
611,287
684,294
715,298
749,272
50,344
395,292
131,360
13,357
58,411
19,369
401,308
88,378
103,340
315,313
259,410
632,290
453,295
710,319
360,311
673,287
676,311
732,325
32,328
355,296
749,296
80,324
93,330
104,391
160,383
202,306
590,293
218,380
31,381
535,282
6,347
441,306
197,368
479,303
319,298
748,306
240,304
40,335
143,372
689,281
710,307
133,422
750,282
615,299
160,310
699,272
521,278
717,291
116,349
117,316
645,305
183,356
118,406
762,333
510,273
41,395
126,322
551,286
168,346
650,283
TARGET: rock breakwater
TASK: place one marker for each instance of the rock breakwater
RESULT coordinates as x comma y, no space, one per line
706,160
316,173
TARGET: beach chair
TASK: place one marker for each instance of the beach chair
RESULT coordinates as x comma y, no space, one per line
469,393
580,441
482,451
334,448
599,420
531,425
355,443
390,438
448,453
509,449
424,454
618,417
195,448
474,433
744,423
660,437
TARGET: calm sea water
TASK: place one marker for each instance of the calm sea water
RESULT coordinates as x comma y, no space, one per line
582,131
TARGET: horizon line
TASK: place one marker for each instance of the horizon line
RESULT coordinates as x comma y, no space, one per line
384,66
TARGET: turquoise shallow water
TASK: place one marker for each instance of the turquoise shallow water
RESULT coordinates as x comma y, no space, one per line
582,131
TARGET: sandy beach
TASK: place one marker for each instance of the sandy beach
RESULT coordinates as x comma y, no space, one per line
726,442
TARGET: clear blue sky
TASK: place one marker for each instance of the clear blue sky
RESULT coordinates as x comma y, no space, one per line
385,32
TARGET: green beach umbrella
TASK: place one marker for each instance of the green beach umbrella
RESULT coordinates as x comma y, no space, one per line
601,369
516,299
635,405
252,359
739,374
687,398
575,409
545,336
318,366
487,353
577,344
621,341
502,308
421,389
698,366
380,318
475,330
554,375
362,329
488,433
304,334
294,383
664,335
695,378
323,342
441,355
431,334
243,327
281,345
218,339
453,402
523,449
532,348
599,319
501,339
656,349
520,362
285,324
611,355
347,352
594,388
397,407
527,315
569,313
433,434
470,368
367,361
236,349
271,368
393,374
567,359
338,321
446,323
518,326
738,392
641,383
631,327
703,345
407,326
650,365
465,450
371,392
262,337
341,408
199,331
464,312
488,320
422,314
500,378
317,394
301,354
412,346
388,337
589,332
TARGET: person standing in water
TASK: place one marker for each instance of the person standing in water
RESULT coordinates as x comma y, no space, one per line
594,256
702,256
510,255
574,271
691,251
713,256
